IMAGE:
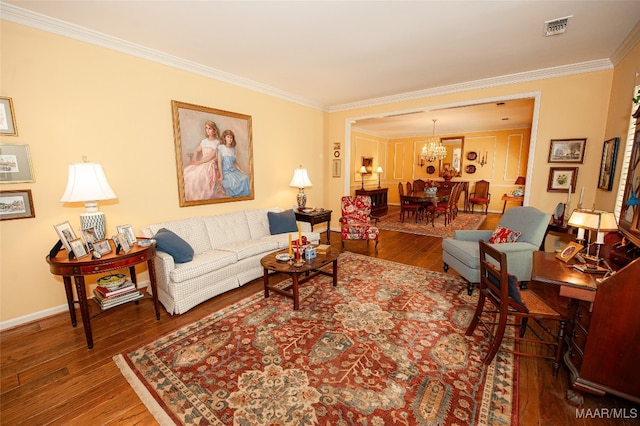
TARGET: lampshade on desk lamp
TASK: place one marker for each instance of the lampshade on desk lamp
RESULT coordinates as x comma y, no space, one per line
301,180
363,171
379,172
88,184
593,220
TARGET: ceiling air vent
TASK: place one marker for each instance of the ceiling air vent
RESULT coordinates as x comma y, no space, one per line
556,26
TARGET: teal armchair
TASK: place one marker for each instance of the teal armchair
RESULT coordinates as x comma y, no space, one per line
462,252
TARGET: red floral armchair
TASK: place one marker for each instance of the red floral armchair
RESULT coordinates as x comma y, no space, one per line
356,221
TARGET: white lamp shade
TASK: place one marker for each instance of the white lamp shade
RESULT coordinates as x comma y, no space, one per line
87,182
363,170
300,178
608,222
596,220
379,169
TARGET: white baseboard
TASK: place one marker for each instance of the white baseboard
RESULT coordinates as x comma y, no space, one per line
4,325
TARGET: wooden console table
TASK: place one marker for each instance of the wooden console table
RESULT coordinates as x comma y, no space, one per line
603,330
378,199
78,268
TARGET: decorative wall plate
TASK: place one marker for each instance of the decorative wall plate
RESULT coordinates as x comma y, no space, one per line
472,155
431,170
336,154
471,169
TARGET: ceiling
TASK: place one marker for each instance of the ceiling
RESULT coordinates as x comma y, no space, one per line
335,55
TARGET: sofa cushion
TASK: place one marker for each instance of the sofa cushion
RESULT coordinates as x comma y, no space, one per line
227,228
503,235
168,242
259,222
202,264
281,223
249,248
192,230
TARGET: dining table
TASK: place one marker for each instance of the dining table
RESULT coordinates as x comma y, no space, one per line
422,197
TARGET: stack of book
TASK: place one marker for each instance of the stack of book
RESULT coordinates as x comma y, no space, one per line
109,297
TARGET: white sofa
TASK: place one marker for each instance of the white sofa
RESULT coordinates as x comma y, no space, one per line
227,252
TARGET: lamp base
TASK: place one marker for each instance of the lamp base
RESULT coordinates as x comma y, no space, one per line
95,220
302,199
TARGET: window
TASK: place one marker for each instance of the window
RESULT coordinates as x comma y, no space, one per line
627,154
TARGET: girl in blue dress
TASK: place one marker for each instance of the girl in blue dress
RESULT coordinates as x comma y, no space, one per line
234,181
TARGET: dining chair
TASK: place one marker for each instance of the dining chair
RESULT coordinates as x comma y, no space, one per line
510,307
445,207
408,206
418,185
480,195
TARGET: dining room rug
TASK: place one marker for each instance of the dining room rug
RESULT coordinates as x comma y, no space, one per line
387,346
391,222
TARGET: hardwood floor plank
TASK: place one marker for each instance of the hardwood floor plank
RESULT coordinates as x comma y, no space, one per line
48,376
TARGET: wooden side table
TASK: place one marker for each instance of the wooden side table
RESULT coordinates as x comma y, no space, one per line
315,217
78,268
378,199
511,199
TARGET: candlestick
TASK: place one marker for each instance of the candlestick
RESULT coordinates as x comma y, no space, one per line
581,195
569,196
290,247
299,235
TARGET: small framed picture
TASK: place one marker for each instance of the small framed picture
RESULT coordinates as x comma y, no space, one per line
78,248
569,251
7,118
90,237
567,150
608,164
66,234
102,246
16,205
122,240
15,164
128,230
337,166
562,179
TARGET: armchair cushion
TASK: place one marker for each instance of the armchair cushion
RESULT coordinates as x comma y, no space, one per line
281,223
171,243
504,235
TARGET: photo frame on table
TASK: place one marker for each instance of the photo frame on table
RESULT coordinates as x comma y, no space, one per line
15,164
128,231
78,247
102,247
8,125
336,168
16,204
608,164
122,241
90,237
567,150
209,171
561,179
569,251
66,234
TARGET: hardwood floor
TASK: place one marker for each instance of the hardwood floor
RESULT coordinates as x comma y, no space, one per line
48,376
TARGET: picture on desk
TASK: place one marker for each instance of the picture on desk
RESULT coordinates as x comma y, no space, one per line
569,251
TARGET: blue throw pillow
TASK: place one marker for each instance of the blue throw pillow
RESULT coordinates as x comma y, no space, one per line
514,291
281,223
172,244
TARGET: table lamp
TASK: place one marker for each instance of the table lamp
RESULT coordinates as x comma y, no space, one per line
363,171
87,183
300,180
593,220
379,172
520,191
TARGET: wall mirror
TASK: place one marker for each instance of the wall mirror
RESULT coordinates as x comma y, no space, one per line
453,160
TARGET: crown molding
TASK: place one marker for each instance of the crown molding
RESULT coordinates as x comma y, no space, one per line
629,42
76,32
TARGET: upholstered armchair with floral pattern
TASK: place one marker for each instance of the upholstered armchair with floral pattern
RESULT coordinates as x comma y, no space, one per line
356,221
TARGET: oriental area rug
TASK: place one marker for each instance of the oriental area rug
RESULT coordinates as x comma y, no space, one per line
387,346
391,222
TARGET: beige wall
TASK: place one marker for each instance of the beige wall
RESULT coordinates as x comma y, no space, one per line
73,99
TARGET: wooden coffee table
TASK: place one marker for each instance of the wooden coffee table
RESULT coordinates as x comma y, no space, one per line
309,268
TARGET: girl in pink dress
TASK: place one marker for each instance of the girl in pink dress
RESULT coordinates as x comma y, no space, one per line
202,176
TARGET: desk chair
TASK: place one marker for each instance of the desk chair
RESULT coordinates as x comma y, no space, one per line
510,304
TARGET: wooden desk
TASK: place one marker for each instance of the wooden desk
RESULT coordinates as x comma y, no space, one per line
511,199
78,268
603,330
315,217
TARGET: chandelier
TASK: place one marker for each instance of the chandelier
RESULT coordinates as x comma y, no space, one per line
433,150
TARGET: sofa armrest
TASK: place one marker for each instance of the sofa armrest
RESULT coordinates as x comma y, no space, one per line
472,235
516,247
164,265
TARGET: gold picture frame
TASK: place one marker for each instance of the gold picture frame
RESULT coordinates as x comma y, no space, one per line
8,125
570,250
210,171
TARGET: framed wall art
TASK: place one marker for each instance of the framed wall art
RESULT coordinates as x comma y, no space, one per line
15,164
367,162
214,155
567,150
337,166
608,164
16,205
7,118
562,179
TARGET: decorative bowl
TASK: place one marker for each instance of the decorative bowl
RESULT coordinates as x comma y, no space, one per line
283,257
112,281
307,210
